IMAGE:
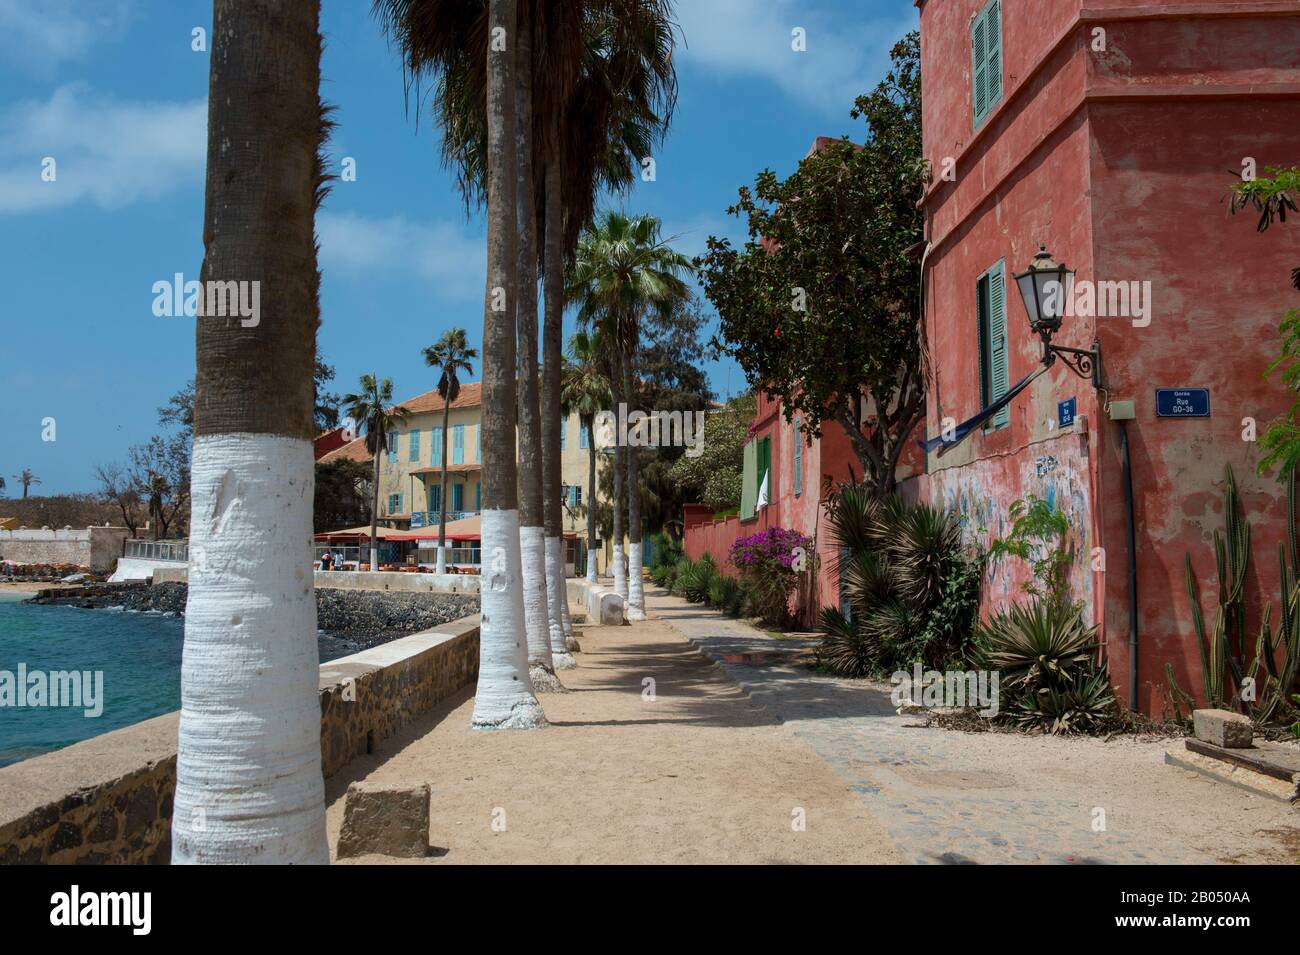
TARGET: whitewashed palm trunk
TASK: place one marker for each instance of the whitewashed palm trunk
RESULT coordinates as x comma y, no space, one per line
248,777
504,698
561,626
541,665
441,566
635,585
618,568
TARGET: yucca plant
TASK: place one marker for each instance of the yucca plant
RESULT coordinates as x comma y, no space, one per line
844,650
695,582
1036,645
924,547
718,591
733,596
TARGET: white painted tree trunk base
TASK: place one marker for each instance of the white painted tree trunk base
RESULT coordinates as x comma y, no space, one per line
544,680
532,555
441,566
635,585
248,768
619,571
504,698
555,594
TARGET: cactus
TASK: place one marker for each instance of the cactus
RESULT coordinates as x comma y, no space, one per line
1223,648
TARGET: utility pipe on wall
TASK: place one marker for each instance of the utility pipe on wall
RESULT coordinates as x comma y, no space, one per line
1132,568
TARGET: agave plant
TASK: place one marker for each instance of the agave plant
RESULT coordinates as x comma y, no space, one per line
1038,645
718,591
866,578
697,578
1082,704
844,649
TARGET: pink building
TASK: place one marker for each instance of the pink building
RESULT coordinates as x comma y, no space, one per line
1111,132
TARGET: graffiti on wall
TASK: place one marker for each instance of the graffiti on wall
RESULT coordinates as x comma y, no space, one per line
982,492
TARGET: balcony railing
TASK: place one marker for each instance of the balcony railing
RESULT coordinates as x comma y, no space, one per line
432,518
174,550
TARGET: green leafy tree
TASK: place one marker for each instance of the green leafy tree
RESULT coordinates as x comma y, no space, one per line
1273,195
715,477
821,306
585,391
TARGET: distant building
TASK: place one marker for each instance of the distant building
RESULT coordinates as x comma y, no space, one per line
410,474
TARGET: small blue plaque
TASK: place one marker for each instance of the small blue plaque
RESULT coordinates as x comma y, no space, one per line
1065,411
1182,402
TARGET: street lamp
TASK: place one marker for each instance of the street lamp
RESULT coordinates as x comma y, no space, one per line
1045,288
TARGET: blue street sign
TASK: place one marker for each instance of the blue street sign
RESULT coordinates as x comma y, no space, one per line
1182,402
1065,411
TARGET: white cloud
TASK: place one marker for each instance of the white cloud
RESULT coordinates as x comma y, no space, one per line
846,54
107,151
450,257
44,33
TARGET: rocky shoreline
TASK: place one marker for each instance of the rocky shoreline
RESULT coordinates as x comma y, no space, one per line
366,618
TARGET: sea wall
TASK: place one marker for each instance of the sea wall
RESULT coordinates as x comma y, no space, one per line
385,580
109,799
93,547
369,617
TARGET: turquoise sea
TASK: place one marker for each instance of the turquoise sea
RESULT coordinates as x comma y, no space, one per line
139,654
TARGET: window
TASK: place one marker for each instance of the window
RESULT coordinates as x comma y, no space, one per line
478,443
392,447
478,497
584,436
986,60
457,497
414,454
764,472
575,496
798,458
435,448
458,444
991,305
435,498
394,503
564,431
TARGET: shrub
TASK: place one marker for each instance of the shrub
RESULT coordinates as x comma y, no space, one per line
767,562
844,650
666,550
1047,658
733,596
718,591
911,583
695,581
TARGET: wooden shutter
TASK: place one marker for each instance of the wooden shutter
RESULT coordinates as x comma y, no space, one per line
798,458
997,312
435,449
993,61
749,480
979,71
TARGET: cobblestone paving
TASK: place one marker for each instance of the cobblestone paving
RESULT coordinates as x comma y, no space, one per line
942,796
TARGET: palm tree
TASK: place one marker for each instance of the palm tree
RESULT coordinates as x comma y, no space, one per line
532,535
451,355
372,410
624,272
468,48
26,478
603,88
611,104
248,769
584,391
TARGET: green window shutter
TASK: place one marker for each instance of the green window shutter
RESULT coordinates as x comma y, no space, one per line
458,444
414,454
979,58
435,447
798,458
564,431
993,63
457,497
435,497
749,481
478,497
997,338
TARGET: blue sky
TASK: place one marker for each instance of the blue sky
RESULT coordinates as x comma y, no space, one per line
112,90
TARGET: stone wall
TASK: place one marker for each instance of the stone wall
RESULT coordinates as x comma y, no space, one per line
109,799
95,547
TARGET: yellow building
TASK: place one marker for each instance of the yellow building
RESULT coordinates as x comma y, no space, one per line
410,475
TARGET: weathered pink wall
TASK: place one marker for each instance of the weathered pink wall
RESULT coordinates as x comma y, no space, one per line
1120,160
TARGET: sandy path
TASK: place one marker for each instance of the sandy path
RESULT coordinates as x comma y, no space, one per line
699,774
